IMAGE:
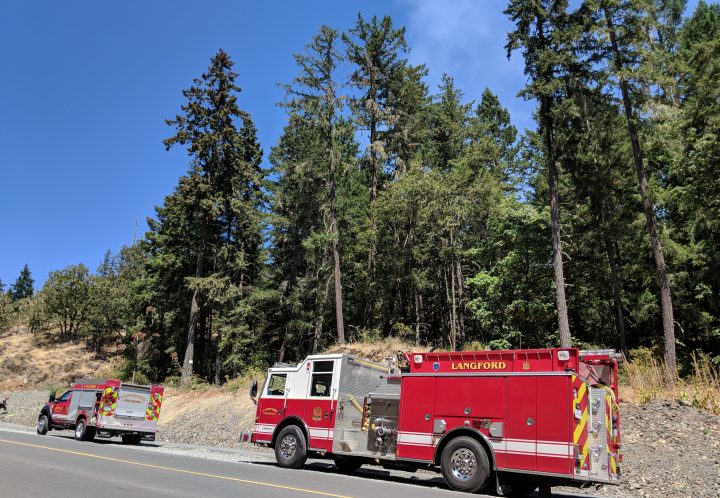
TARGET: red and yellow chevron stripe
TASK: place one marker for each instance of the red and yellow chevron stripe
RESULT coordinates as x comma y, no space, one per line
153,409
109,401
580,416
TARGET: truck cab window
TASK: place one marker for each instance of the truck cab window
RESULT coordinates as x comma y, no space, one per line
321,378
64,397
321,385
276,385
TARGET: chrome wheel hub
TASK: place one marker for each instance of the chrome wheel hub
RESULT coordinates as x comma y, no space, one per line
288,446
79,429
41,423
463,464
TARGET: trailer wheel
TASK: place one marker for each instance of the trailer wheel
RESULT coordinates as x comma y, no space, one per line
465,465
347,464
43,424
290,448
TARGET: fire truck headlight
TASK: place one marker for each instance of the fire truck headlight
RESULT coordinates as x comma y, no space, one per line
418,358
563,355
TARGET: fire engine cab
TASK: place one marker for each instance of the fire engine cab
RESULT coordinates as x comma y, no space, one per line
512,420
104,408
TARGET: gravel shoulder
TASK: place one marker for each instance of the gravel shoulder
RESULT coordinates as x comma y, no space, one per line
669,449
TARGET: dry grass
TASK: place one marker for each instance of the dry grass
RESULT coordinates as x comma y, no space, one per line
376,350
645,379
38,361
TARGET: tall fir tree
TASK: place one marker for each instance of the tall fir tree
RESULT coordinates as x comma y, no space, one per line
541,34
23,286
218,208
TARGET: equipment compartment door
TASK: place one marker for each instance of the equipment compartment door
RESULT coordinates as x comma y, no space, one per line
521,442
415,428
321,404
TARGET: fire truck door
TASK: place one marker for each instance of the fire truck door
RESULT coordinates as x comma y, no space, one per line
60,408
521,449
321,403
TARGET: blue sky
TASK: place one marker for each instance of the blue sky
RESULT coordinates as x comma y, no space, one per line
86,86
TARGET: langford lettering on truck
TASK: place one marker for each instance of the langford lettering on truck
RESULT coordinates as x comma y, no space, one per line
509,420
104,408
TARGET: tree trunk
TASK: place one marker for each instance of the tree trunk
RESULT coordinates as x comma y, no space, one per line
187,368
319,319
552,164
617,294
283,348
461,299
417,318
340,322
661,270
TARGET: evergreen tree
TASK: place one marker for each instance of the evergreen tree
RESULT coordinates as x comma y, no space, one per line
218,209
627,55
314,97
23,286
541,32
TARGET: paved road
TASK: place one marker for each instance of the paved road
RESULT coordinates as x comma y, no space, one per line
58,466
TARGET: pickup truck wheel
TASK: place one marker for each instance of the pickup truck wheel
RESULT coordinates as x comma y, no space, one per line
347,464
290,448
81,430
43,424
131,438
465,465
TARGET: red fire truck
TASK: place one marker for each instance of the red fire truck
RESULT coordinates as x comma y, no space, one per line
104,408
512,420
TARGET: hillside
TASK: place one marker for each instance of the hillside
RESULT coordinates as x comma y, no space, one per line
39,361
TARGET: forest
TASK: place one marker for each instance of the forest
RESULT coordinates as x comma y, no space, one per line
391,209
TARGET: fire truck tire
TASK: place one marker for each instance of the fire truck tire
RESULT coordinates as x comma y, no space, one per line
465,465
291,448
43,424
347,464
518,489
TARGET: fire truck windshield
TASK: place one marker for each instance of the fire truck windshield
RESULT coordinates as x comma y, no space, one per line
276,386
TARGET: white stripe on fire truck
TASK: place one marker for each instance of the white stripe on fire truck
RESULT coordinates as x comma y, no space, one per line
321,433
515,446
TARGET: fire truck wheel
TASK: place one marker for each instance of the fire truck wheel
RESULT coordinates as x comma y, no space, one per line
290,448
347,464
518,488
465,465
42,425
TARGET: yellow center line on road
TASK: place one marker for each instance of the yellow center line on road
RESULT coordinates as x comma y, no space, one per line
180,471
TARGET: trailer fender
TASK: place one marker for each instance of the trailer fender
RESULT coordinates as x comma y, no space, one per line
466,431
291,420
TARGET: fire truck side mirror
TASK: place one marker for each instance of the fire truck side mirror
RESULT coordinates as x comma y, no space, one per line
52,398
253,390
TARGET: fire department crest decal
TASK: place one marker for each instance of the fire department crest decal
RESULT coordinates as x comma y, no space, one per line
270,411
436,366
317,413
